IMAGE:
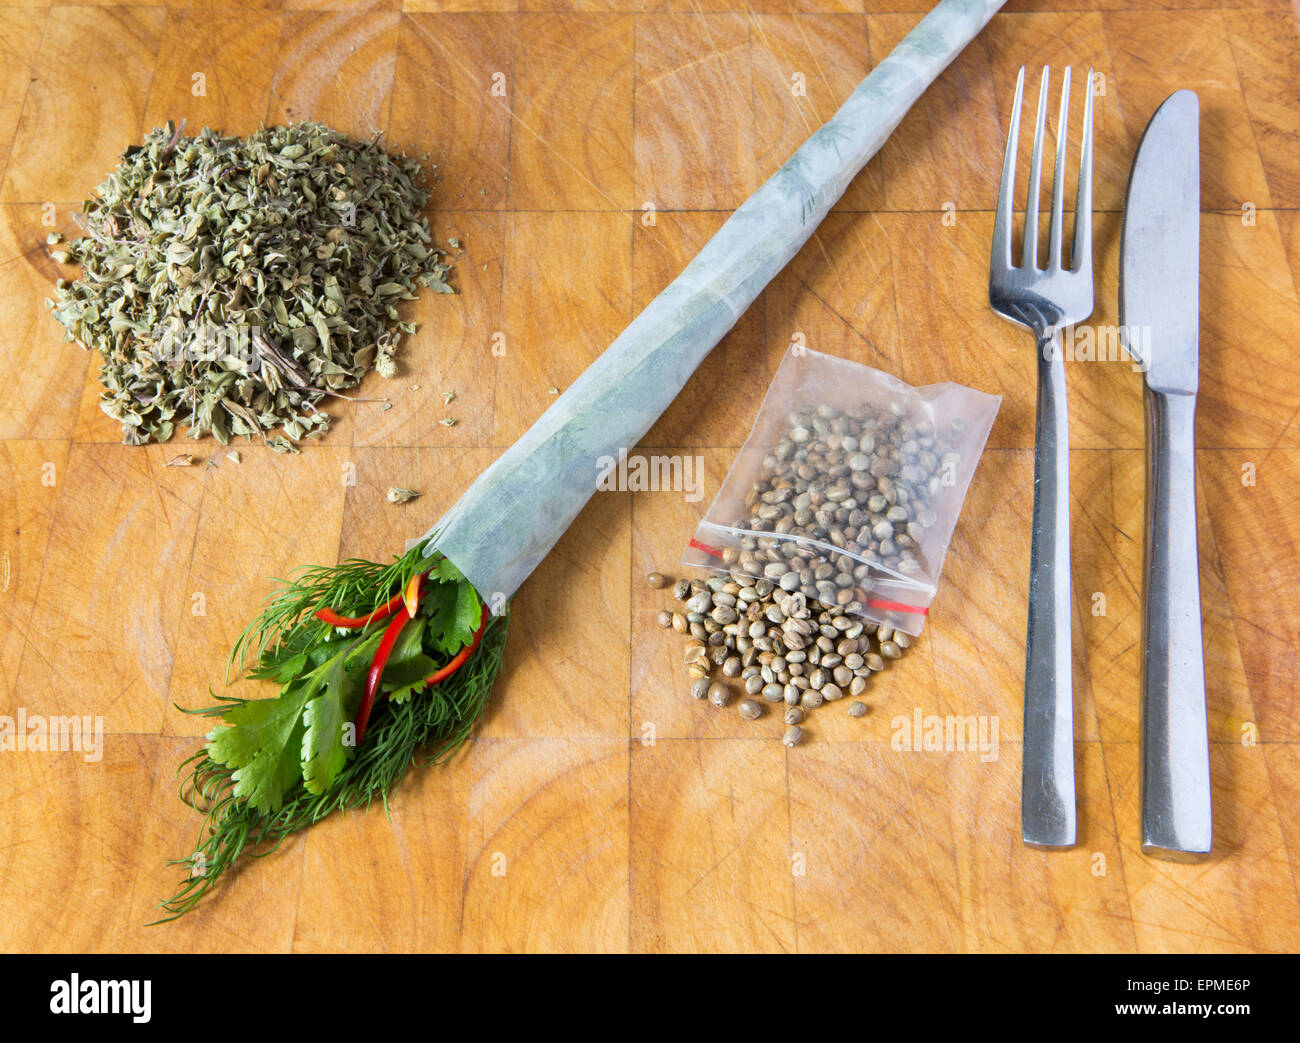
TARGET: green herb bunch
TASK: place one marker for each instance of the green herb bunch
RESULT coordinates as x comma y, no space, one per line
272,767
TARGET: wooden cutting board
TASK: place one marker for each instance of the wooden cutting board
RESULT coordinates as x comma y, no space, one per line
585,152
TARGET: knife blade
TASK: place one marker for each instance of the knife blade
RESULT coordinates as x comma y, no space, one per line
1158,302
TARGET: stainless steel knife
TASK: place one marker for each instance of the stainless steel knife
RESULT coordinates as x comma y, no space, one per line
1158,301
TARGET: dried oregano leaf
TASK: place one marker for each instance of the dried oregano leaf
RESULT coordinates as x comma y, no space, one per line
230,283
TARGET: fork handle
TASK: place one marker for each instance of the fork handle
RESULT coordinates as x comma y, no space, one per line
1047,808
1176,815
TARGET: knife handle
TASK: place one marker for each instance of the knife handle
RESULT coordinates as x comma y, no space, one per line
1047,812
1176,810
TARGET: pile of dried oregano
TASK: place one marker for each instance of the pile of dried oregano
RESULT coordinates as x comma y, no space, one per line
230,283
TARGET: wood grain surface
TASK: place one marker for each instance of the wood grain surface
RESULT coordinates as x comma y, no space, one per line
598,807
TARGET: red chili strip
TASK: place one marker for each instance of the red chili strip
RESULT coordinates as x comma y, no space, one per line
410,597
376,671
328,615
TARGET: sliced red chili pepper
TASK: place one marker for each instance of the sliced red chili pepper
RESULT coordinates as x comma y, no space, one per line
385,649
410,596
328,615
462,655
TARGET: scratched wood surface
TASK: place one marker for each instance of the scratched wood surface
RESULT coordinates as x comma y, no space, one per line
562,826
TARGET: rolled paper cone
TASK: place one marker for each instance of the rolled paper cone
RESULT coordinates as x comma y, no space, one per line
513,514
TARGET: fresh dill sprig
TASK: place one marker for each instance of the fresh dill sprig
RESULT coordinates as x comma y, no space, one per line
440,718
356,585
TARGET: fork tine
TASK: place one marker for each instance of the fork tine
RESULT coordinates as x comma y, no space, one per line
1082,253
1029,251
1007,191
1054,232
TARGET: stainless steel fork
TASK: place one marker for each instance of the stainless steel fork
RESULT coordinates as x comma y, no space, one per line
1047,300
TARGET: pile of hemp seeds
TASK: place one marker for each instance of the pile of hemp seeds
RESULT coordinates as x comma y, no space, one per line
843,493
751,638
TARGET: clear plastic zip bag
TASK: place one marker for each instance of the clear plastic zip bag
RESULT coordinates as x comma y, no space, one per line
848,488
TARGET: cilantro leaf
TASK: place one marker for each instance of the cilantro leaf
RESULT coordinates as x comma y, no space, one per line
404,679
437,602
409,643
444,570
280,666
262,740
456,615
272,743
324,746
407,665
